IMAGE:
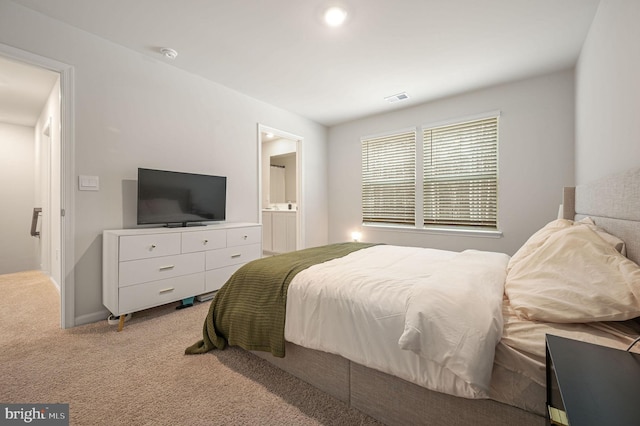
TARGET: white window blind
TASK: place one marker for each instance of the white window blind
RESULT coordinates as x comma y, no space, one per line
460,180
388,179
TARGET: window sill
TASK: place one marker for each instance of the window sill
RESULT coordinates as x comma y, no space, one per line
462,232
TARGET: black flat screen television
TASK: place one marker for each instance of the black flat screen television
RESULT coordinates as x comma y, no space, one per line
180,199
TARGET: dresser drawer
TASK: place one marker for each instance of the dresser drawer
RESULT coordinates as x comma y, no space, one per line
244,236
215,278
146,295
232,256
157,268
146,246
203,240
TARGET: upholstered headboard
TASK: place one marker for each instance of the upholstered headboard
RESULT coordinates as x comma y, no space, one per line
613,203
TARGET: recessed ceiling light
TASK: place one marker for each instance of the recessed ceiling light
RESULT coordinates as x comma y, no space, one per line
168,52
335,16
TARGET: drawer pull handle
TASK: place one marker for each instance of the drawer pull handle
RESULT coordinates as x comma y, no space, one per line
166,268
152,247
245,237
166,290
233,256
206,242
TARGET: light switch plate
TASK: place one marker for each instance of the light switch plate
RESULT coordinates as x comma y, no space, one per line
88,183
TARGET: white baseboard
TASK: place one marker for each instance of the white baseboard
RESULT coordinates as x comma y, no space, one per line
55,283
92,317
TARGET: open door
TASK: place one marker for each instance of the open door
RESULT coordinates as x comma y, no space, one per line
53,133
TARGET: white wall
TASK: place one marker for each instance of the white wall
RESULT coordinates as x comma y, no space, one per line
18,249
608,93
536,146
134,111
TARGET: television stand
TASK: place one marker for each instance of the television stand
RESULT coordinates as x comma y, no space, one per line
183,224
147,267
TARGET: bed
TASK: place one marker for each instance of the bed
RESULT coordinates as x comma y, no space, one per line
374,351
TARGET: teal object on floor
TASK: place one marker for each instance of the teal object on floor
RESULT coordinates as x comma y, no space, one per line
186,303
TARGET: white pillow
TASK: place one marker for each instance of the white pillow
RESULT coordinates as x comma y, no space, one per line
574,275
614,241
539,238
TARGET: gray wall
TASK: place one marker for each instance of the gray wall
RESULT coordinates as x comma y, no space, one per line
133,111
536,157
608,93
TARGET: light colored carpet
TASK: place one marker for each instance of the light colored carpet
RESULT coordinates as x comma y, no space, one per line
141,376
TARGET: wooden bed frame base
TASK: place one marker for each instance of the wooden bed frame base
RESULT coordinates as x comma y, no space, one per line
389,399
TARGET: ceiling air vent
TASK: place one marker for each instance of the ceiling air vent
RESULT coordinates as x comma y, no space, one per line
395,98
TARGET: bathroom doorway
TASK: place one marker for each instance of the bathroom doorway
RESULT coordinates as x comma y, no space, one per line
281,206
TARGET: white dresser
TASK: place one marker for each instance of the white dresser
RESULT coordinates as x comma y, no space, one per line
147,267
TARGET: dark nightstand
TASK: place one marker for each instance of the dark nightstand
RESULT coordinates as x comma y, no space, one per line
597,385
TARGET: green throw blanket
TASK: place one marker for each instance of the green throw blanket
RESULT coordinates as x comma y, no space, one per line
249,310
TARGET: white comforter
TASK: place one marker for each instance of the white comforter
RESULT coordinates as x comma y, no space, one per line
431,317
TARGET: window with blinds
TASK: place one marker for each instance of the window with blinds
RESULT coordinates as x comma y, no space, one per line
389,179
460,179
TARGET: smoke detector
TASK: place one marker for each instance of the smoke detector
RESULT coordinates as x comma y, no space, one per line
168,52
